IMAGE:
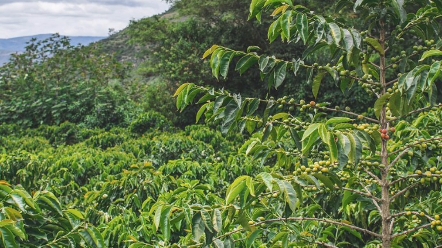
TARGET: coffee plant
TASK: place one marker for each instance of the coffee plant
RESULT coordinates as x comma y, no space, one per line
340,178
40,220
52,82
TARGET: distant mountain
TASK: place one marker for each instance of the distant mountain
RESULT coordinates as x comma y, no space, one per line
18,44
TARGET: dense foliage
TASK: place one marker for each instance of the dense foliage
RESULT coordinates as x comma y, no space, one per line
355,179
93,155
106,179
53,81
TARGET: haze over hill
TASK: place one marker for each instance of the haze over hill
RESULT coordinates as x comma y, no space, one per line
18,44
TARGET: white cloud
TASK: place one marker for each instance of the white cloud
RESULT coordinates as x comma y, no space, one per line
77,17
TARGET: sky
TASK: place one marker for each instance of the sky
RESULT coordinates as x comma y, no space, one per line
72,17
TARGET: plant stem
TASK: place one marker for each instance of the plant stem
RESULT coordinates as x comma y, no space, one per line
385,207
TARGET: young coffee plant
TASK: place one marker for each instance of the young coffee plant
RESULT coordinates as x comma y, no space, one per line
340,178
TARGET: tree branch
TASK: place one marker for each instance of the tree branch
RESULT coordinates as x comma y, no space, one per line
420,110
373,176
403,191
323,221
375,202
349,113
325,244
394,162
416,143
410,231
362,194
413,212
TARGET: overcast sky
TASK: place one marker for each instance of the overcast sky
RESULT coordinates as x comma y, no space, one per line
72,17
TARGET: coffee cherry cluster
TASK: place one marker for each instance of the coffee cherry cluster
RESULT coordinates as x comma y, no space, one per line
316,167
436,223
384,134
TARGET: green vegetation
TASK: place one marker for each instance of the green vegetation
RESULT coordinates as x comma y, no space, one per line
324,133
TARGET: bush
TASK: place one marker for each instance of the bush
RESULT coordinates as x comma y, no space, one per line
148,122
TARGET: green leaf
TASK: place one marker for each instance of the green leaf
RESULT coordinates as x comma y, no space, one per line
430,53
246,62
286,21
398,7
281,236
333,148
217,220
317,83
353,232
348,40
380,103
252,236
434,73
375,44
335,32
207,219
180,89
250,185
311,128
215,61
289,193
308,143
13,214
165,222
324,134
274,30
218,243
253,49
198,227
17,231
256,8
8,238
201,111
51,201
325,180
310,50
76,213
262,62
235,189
210,51
18,201
92,237
280,73
267,179
302,26
337,120
157,217
395,104
225,63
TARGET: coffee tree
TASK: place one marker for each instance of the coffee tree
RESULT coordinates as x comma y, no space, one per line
340,178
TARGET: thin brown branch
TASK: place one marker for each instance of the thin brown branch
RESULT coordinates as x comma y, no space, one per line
325,244
420,110
375,202
373,176
410,231
403,191
349,113
396,160
416,143
404,178
363,194
330,222
392,82
300,219
375,65
411,212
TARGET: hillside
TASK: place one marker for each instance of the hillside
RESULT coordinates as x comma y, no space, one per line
18,44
